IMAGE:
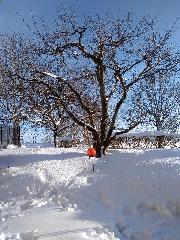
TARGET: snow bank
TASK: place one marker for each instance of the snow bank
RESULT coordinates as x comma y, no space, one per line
132,195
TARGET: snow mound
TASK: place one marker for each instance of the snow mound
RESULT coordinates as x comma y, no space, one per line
99,234
11,146
131,195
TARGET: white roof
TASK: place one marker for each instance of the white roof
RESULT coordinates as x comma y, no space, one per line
148,134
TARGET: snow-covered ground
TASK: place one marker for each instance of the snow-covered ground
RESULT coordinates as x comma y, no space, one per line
48,193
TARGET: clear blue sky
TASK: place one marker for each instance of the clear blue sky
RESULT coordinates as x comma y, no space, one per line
13,11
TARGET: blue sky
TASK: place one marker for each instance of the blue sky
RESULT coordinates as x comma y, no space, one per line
13,11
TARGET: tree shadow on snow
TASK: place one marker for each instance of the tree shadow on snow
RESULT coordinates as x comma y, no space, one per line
64,232
13,160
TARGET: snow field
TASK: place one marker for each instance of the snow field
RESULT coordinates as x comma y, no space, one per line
132,195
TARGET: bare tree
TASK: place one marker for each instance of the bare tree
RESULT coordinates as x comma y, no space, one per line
15,61
47,112
21,99
91,67
157,99
11,101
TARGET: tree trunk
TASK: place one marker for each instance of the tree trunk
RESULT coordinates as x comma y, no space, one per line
97,145
16,134
55,138
159,140
104,150
98,150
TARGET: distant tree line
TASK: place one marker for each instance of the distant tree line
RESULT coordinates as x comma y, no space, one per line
101,74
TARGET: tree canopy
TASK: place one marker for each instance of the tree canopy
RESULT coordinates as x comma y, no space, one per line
92,66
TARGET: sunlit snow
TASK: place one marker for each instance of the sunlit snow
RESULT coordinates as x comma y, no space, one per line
48,193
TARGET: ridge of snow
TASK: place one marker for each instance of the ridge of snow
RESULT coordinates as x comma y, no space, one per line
148,134
50,74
